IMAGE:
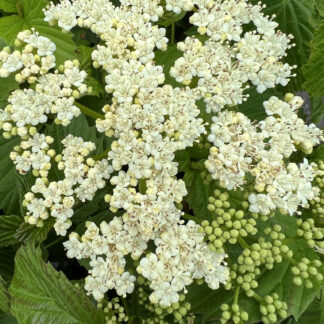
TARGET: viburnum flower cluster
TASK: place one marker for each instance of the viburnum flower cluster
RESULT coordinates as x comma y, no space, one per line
149,122
230,59
242,148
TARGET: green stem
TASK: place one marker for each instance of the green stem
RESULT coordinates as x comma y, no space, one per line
242,242
54,242
19,10
189,217
101,156
89,112
125,304
258,298
236,295
291,260
172,33
142,186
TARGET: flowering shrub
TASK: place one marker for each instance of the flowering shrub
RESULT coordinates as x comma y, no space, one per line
151,152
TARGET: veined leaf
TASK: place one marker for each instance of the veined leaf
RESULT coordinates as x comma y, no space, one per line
8,228
40,294
27,233
313,69
4,297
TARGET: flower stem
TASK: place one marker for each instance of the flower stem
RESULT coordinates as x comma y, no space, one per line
291,260
19,10
236,295
101,156
242,242
142,186
89,112
258,298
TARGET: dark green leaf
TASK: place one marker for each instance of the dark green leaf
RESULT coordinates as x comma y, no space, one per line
6,86
167,59
317,113
4,296
314,313
78,127
314,67
169,17
8,228
9,193
253,107
40,294
27,233
6,263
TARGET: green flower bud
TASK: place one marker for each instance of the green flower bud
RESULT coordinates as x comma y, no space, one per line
297,281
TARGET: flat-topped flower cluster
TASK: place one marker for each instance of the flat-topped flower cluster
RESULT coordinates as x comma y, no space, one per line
150,121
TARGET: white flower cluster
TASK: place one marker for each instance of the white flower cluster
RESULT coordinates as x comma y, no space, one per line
36,57
34,154
150,123
222,67
241,147
82,178
52,93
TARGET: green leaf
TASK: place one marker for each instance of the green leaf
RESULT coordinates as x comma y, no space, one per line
167,59
27,233
8,228
317,113
314,313
207,302
8,5
4,296
78,127
6,263
253,107
198,194
295,17
33,17
9,194
6,86
40,294
169,17
84,56
312,69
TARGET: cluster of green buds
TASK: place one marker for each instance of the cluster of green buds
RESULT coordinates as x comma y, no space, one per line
263,253
179,312
229,224
305,271
309,231
271,308
114,311
233,314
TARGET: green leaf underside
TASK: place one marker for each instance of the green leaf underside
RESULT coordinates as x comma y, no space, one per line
40,294
33,17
